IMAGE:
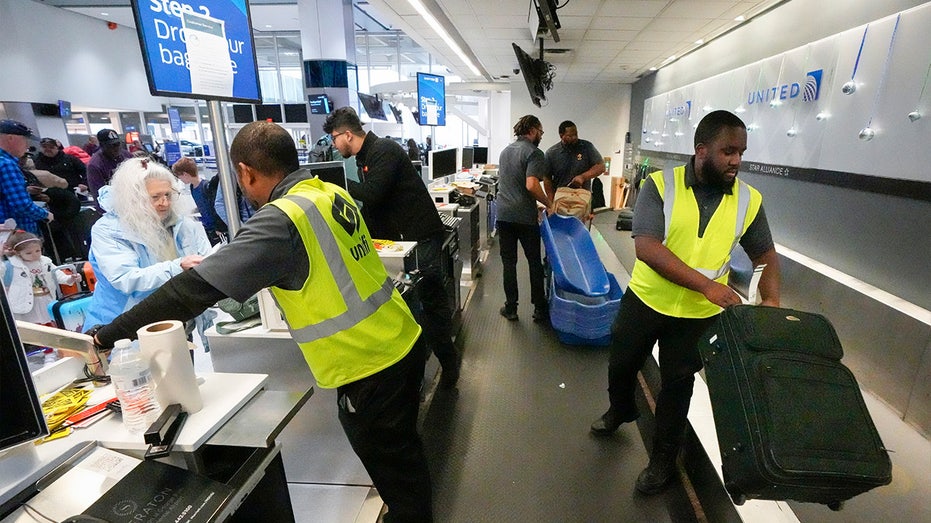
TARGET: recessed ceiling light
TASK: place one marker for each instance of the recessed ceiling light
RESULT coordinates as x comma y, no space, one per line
104,14
652,68
740,18
699,41
268,26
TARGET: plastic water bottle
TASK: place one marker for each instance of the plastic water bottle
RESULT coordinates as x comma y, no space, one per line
135,389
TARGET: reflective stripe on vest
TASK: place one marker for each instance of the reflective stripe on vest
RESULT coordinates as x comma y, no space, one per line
743,206
357,309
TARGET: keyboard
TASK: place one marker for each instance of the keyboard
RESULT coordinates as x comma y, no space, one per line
449,221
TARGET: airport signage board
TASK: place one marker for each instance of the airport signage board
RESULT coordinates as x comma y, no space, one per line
203,49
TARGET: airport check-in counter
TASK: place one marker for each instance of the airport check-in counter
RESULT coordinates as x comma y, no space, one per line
232,440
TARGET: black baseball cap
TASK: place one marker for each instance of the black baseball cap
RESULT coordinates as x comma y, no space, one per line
14,127
107,137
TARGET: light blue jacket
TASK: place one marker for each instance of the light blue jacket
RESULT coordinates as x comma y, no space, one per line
126,270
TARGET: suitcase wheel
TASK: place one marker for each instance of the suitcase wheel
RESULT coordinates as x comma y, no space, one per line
836,505
738,497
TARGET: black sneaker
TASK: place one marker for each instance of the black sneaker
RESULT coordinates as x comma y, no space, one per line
510,314
609,422
658,475
541,315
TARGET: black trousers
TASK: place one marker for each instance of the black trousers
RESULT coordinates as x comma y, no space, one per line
636,330
379,416
510,234
437,313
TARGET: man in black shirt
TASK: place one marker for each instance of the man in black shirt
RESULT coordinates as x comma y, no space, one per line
54,160
397,206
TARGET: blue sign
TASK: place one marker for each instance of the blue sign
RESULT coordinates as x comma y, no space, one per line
172,152
200,50
174,118
431,99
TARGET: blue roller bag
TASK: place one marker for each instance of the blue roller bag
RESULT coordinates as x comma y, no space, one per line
68,312
790,418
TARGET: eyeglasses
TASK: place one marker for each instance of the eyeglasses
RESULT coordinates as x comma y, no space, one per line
333,137
167,196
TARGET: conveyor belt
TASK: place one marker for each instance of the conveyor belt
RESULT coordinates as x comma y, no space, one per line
512,443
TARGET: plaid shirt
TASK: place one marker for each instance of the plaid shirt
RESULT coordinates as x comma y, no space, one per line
15,202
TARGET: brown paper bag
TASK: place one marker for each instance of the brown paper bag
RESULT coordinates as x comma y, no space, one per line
573,202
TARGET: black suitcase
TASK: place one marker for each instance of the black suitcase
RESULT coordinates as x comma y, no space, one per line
625,219
790,418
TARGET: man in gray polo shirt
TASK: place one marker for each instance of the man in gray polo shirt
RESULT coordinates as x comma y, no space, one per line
521,169
572,162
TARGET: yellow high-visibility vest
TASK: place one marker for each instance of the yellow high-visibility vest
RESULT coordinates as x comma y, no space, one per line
709,255
348,319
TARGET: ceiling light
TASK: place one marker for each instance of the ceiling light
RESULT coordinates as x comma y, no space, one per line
268,26
104,14
699,41
433,23
652,68
740,18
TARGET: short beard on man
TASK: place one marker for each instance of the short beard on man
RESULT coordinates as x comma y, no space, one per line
716,177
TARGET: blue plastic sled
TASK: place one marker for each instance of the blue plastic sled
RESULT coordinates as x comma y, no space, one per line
571,253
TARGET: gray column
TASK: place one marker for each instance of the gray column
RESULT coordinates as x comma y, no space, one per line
327,33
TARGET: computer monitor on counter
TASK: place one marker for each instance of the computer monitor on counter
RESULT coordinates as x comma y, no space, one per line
332,172
480,155
467,159
20,409
443,162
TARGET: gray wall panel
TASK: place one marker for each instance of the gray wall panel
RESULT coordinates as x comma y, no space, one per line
882,240
918,413
886,349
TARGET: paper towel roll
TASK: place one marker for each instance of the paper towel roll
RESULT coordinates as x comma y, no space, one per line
164,344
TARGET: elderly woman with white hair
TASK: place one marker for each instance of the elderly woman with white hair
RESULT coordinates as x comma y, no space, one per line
142,240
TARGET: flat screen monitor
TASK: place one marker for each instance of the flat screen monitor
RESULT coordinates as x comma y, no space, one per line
265,112
325,73
443,162
320,103
295,113
148,147
64,108
480,155
431,99
221,67
242,113
332,172
21,418
468,155
528,69
396,112
418,166
373,106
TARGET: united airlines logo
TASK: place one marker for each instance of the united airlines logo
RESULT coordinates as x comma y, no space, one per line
812,86
778,94
682,111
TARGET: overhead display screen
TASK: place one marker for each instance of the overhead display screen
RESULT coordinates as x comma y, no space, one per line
202,50
431,99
